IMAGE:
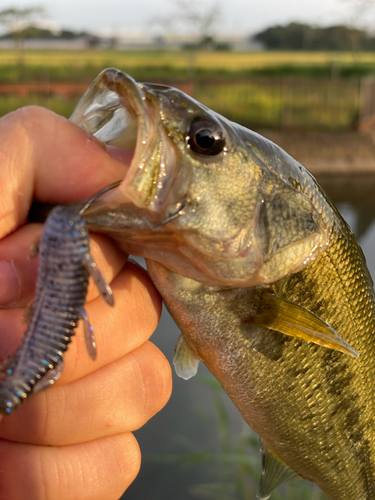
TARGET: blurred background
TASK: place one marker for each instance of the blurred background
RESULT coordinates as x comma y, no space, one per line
300,72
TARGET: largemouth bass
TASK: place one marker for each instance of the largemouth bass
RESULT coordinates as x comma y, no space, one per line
258,269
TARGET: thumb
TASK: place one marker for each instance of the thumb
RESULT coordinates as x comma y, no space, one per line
45,157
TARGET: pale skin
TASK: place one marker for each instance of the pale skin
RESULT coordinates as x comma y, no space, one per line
73,441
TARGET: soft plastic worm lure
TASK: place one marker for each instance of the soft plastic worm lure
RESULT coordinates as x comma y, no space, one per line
64,269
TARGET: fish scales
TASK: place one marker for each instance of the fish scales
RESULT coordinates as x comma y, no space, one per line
325,405
348,408
60,294
258,269
343,386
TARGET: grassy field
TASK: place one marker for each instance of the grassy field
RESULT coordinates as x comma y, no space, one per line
255,89
73,65
62,106
216,60
285,104
254,104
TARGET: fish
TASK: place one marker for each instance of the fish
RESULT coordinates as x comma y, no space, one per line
258,269
63,273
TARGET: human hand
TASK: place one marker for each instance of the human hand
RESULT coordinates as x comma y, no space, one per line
74,440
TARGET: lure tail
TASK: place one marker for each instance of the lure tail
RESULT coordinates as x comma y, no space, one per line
64,270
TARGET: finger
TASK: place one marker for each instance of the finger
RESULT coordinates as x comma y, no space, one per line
118,330
118,398
96,470
46,157
18,272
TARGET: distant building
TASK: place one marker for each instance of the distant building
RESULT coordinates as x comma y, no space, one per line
136,40
79,43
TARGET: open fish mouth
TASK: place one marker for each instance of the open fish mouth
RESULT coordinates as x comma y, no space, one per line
120,112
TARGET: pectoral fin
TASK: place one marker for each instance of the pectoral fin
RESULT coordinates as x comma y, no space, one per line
184,359
274,473
296,321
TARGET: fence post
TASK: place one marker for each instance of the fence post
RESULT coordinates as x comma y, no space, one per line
282,99
361,101
366,101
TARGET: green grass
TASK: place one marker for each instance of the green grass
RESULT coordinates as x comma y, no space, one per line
60,105
152,65
228,60
308,104
247,87
251,104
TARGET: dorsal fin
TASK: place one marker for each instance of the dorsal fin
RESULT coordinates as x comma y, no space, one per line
185,361
296,321
274,473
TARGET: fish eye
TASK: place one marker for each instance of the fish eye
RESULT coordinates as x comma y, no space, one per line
205,136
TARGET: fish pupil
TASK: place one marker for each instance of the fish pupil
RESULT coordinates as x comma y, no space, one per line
205,139
205,136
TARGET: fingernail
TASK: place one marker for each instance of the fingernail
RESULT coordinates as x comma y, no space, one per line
9,283
122,155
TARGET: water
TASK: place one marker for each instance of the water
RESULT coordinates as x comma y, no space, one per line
191,422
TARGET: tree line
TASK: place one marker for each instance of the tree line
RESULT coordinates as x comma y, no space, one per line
30,32
299,36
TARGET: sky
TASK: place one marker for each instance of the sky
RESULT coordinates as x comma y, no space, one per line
237,16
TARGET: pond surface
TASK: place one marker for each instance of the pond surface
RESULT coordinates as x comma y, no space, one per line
192,448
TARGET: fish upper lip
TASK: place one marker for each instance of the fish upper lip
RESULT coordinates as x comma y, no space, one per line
120,112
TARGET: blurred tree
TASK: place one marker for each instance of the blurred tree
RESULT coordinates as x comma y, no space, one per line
197,18
359,18
16,18
297,36
199,21
92,41
359,8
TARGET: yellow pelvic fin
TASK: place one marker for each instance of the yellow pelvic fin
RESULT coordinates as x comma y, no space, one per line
296,321
274,473
185,361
